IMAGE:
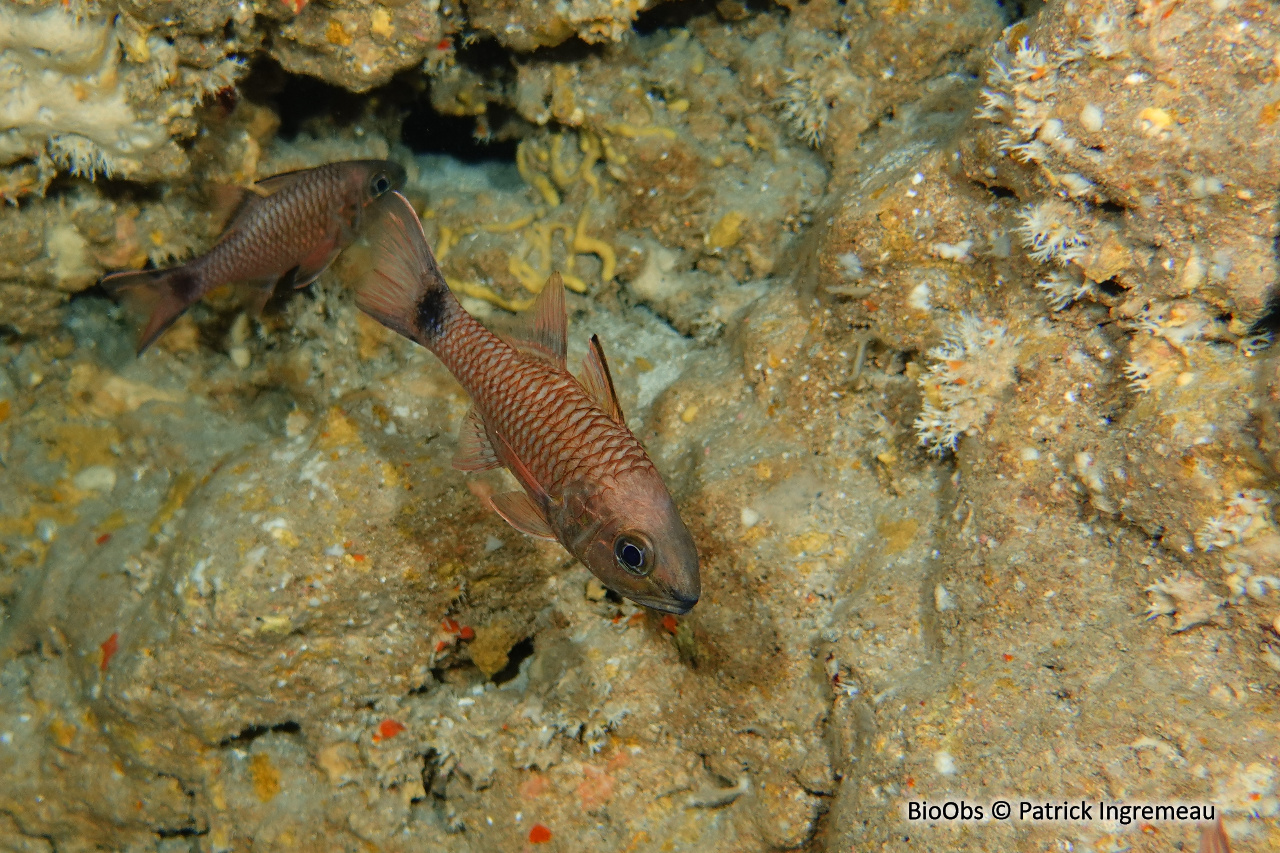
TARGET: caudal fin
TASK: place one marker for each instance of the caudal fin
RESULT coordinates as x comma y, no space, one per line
162,295
403,288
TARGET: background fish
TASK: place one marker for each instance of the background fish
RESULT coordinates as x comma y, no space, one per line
289,228
587,481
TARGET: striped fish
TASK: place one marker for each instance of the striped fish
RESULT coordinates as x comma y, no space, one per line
586,480
288,230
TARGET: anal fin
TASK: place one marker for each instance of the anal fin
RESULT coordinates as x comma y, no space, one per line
475,452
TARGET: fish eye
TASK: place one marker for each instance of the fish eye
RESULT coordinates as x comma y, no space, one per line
380,184
633,553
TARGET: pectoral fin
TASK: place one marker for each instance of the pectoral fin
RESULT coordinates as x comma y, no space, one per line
598,383
475,452
519,510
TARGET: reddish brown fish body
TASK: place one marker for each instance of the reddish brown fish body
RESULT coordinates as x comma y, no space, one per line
587,480
291,226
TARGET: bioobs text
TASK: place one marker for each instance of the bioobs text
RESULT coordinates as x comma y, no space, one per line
949,810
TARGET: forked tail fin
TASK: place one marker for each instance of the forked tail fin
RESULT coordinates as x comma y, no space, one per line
162,295
403,288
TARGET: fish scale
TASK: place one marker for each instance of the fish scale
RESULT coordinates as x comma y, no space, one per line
555,444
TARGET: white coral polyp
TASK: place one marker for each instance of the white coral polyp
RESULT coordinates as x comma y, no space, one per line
974,365
1048,230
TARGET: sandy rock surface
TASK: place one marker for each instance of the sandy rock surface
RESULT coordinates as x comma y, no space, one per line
948,330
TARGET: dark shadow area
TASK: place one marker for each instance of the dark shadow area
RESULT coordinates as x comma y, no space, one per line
250,734
665,16
1268,322
1017,10
518,654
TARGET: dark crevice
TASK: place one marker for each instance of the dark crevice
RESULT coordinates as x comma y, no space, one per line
999,191
1018,10
426,131
251,733
518,654
1110,207
1111,287
1268,323
431,762
181,832
300,100
669,16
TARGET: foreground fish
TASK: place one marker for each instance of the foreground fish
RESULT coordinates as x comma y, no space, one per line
587,481
288,231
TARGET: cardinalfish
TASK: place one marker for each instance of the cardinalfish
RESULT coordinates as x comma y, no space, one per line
287,231
585,479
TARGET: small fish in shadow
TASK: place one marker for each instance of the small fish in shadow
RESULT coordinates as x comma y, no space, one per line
587,482
287,231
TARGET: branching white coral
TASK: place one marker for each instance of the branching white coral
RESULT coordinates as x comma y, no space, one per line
1247,515
1105,39
974,365
1063,288
816,86
1248,538
1179,324
1050,230
1186,598
804,107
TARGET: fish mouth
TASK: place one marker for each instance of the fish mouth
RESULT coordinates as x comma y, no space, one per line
675,603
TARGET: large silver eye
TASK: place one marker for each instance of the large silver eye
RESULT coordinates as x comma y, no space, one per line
633,553
380,184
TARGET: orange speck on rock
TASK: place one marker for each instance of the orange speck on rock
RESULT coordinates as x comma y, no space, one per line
1007,657
466,632
539,834
388,729
359,558
596,789
441,645
295,5
444,44
449,625
535,786
110,646
103,539
669,622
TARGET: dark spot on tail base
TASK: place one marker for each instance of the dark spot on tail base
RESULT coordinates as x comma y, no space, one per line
431,312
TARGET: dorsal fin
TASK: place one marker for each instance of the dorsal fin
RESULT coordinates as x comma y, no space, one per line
598,383
545,336
475,451
275,183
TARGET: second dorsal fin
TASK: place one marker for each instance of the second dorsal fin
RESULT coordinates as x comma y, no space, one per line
599,384
546,334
